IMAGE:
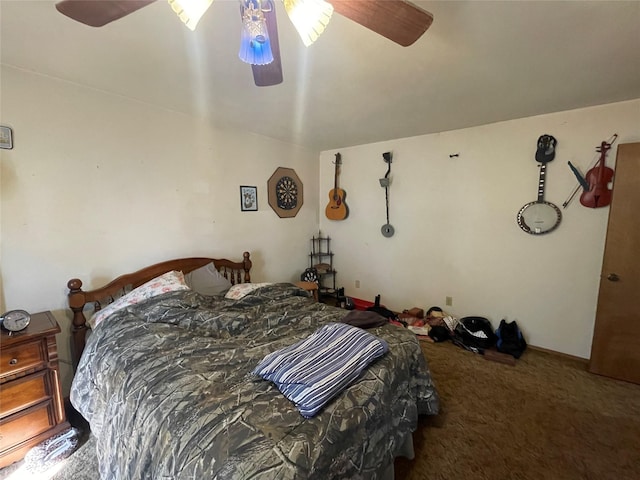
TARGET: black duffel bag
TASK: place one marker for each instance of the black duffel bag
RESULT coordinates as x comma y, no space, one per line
475,332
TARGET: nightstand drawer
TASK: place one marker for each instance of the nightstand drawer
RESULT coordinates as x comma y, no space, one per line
21,357
24,392
26,424
31,406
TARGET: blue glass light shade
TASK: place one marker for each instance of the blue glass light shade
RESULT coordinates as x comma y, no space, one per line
255,47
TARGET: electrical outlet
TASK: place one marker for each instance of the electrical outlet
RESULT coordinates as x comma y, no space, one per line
357,283
449,301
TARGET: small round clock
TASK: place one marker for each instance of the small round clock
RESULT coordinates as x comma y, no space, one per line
15,320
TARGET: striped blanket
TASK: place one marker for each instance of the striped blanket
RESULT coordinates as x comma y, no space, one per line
314,370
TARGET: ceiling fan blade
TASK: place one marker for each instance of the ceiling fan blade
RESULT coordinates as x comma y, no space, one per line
271,73
97,13
397,20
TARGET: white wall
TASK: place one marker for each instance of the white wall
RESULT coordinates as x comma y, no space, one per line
99,185
455,220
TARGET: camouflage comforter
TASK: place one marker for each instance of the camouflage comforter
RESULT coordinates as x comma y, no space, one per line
167,389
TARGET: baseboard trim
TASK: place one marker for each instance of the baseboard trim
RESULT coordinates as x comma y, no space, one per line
584,361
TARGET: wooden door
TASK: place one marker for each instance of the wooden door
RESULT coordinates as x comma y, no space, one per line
615,351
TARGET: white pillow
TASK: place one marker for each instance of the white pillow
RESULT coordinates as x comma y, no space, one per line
168,282
243,289
207,280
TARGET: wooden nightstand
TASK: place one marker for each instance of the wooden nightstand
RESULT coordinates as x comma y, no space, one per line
31,407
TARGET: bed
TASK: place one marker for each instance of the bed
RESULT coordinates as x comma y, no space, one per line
170,388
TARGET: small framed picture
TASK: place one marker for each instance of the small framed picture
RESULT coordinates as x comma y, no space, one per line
248,198
6,138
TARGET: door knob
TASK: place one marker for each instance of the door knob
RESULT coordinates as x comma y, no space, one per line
612,277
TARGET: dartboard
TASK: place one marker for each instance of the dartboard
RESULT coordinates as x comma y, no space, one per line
287,193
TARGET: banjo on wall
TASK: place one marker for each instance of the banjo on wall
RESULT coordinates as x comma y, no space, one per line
539,217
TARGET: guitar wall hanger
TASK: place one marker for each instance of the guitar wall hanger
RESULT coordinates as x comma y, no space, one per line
387,229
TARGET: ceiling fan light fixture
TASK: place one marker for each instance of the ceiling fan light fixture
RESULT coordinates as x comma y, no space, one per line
255,46
190,11
310,17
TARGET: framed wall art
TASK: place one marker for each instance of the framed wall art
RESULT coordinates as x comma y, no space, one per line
248,198
6,138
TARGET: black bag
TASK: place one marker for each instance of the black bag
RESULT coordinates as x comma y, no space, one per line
510,339
382,310
439,333
475,332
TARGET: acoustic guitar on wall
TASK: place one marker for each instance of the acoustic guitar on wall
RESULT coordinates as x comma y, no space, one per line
336,209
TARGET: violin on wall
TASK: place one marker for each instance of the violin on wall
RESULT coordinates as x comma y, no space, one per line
596,191
599,177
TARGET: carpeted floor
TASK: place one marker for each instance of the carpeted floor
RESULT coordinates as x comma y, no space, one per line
545,418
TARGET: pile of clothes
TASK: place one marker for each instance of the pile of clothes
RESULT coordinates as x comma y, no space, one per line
472,333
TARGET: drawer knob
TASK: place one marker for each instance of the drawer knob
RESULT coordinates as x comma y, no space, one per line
13,361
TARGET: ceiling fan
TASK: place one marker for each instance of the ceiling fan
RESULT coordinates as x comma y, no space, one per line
397,20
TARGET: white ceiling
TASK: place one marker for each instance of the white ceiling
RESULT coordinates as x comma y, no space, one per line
480,62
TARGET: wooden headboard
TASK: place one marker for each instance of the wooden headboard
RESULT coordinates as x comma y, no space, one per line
235,272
